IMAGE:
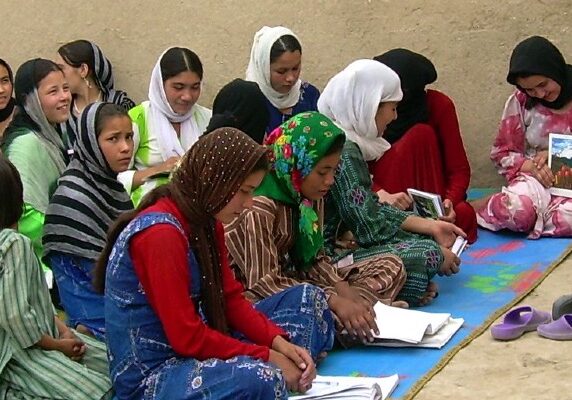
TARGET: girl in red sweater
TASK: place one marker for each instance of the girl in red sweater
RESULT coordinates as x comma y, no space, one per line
177,323
427,151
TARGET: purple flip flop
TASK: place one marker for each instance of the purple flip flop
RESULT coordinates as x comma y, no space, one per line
518,321
561,329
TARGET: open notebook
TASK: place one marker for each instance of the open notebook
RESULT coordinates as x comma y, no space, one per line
350,388
400,327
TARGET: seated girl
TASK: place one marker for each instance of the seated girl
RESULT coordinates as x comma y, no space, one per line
32,143
177,323
40,357
542,104
275,64
88,199
278,243
362,100
90,77
241,105
427,150
168,123
7,102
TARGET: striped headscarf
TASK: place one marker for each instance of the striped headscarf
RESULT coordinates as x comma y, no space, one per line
103,77
88,199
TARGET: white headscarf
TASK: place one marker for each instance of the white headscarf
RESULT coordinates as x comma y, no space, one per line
352,97
259,67
161,115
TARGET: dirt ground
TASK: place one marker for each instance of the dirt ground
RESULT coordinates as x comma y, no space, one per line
468,40
530,367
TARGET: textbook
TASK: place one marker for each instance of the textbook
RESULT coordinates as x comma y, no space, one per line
430,205
402,327
350,388
425,204
459,246
560,163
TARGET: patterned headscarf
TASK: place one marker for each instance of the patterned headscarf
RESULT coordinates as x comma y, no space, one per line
207,178
297,146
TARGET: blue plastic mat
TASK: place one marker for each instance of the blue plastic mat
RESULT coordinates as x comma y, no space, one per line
496,273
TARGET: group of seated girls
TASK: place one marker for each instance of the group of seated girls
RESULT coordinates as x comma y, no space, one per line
220,254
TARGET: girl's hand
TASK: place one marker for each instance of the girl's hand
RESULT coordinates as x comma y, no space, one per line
73,348
399,200
300,357
292,374
538,168
450,214
167,166
540,158
451,263
445,233
357,317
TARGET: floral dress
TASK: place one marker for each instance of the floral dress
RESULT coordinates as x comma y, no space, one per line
524,205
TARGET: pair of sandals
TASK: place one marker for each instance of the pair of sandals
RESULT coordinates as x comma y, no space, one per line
555,326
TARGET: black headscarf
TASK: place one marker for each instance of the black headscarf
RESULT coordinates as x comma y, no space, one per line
240,104
538,56
415,72
6,112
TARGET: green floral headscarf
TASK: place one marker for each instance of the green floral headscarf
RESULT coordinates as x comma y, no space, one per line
296,147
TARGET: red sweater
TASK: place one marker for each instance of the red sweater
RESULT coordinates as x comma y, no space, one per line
457,171
159,255
441,168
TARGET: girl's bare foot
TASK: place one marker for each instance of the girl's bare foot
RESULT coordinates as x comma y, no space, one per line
430,294
481,203
400,304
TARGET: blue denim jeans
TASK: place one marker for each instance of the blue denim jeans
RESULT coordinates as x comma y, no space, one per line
301,311
81,303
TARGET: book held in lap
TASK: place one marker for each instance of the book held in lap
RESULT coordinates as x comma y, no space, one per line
560,163
430,205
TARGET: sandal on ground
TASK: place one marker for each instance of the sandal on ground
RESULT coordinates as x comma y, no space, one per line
561,329
518,321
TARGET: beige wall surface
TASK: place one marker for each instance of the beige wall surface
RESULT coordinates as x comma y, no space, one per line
469,41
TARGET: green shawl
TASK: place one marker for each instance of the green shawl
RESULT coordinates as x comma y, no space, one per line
296,147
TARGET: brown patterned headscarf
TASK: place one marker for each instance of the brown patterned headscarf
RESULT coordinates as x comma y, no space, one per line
207,178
